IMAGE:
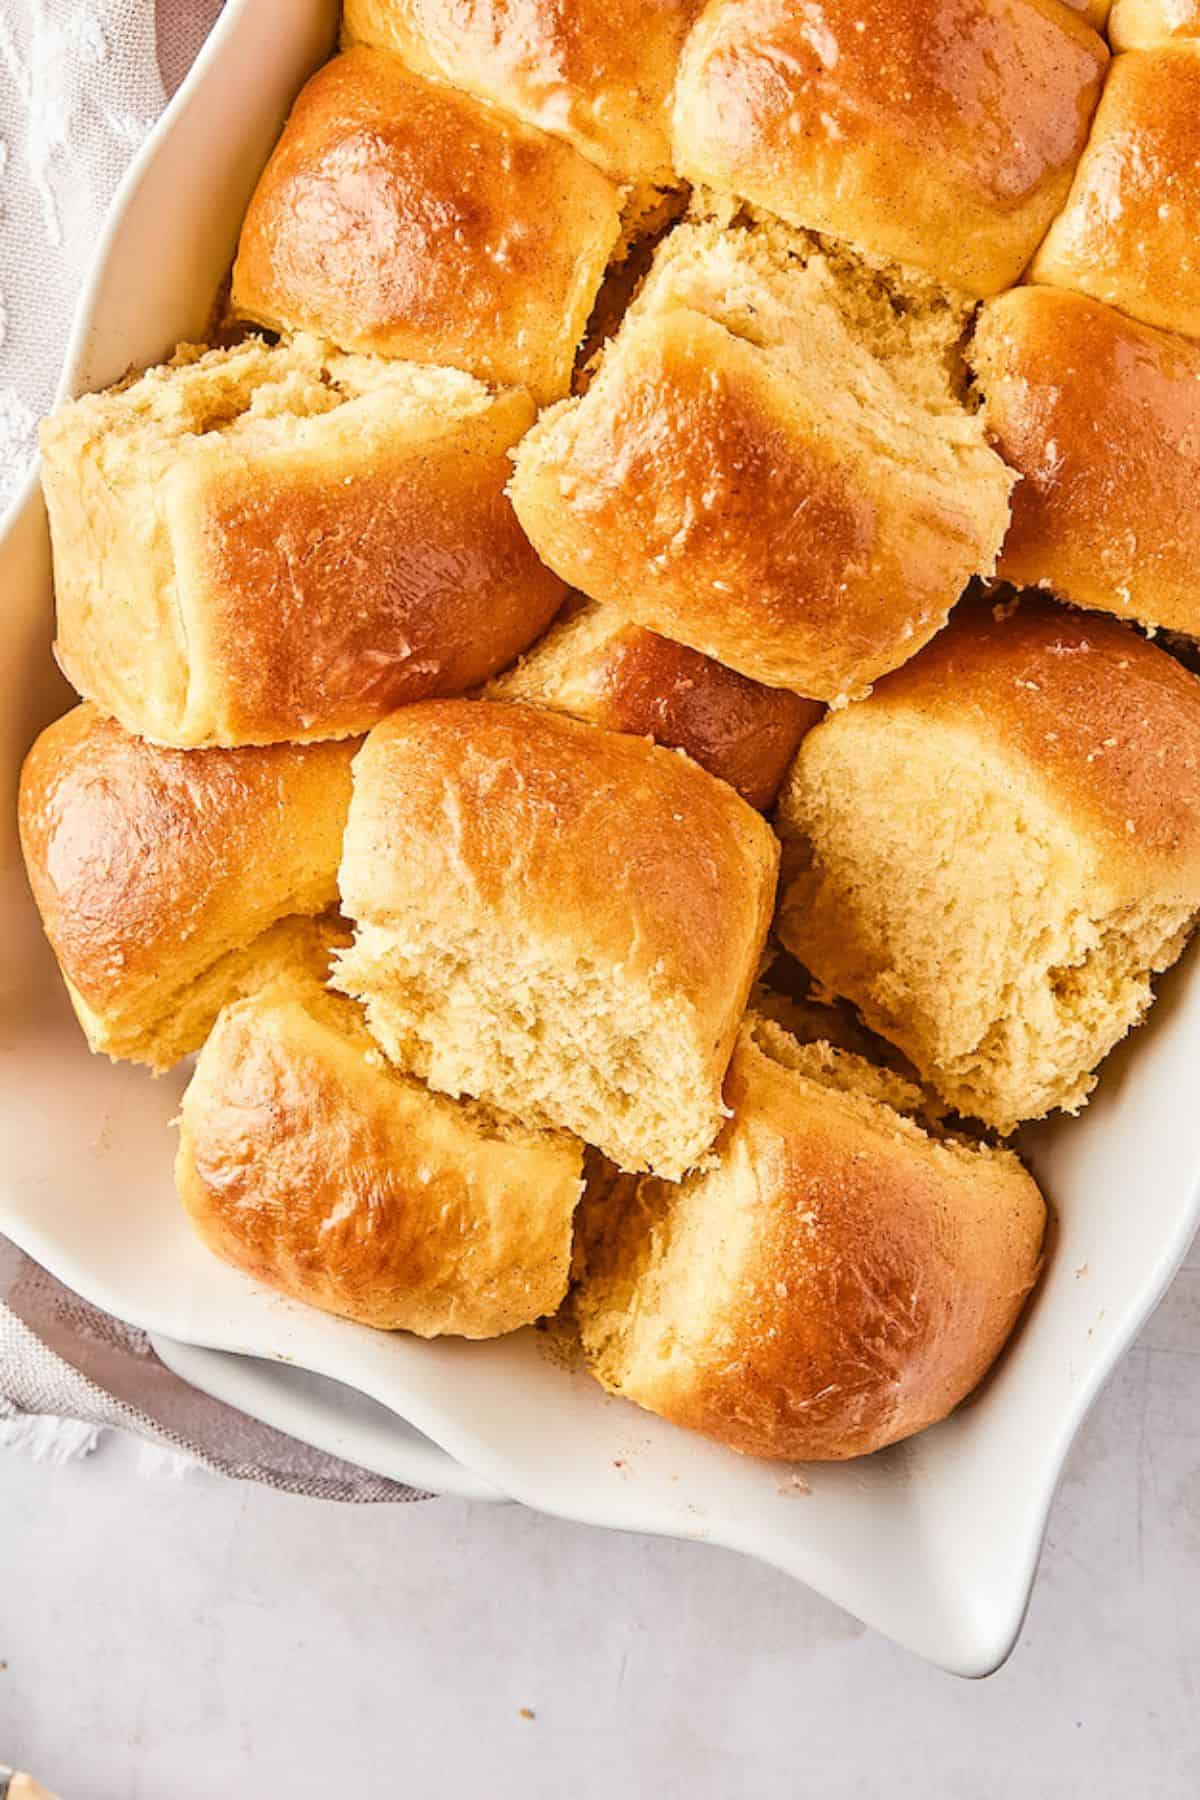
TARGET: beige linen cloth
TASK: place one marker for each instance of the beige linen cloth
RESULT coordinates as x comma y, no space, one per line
81,83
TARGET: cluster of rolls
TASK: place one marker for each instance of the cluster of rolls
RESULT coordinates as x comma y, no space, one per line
556,634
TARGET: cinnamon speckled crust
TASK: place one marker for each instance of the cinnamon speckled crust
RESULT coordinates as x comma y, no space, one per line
1129,233
148,865
939,132
700,495
596,666
1101,417
309,1163
1137,24
872,1274
1102,720
596,72
401,218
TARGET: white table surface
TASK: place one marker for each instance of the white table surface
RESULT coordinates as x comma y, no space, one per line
178,1638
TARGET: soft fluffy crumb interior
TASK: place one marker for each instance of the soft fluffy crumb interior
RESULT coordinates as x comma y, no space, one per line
560,667
302,983
544,1039
173,1020
964,917
258,395
880,350
658,1265
826,1019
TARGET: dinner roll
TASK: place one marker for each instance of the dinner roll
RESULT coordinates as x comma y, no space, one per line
268,543
939,132
841,1276
309,1162
994,853
1101,417
773,464
1130,230
171,882
595,72
557,919
399,217
594,664
1136,24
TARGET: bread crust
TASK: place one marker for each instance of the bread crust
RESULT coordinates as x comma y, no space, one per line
295,576
1105,724
942,133
554,867
556,826
597,72
704,498
1129,233
995,854
310,1164
148,865
399,217
1100,416
597,666
876,1275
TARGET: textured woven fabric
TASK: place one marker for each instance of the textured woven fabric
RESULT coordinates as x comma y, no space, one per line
81,82
68,1371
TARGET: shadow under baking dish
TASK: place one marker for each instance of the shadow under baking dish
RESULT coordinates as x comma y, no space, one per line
934,1542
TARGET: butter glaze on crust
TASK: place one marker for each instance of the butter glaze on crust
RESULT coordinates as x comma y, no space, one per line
598,73
1129,233
263,543
1100,416
399,217
150,866
942,133
770,465
561,920
594,665
310,1164
837,1281
1105,721
994,854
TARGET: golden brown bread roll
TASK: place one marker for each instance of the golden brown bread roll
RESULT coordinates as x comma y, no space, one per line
1130,230
402,218
560,920
1101,418
993,855
596,72
171,882
309,1162
838,1279
259,544
595,665
1136,24
939,132
774,463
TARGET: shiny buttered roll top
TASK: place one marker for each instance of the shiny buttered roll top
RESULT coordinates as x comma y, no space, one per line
943,133
400,217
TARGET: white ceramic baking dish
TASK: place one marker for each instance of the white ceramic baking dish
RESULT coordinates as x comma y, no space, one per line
935,1542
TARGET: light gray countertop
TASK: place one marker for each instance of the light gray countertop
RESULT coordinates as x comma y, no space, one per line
184,1638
